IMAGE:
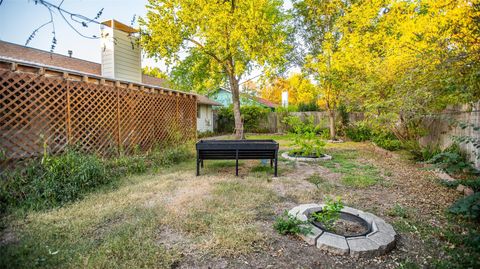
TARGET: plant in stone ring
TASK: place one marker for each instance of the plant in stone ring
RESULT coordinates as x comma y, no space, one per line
330,212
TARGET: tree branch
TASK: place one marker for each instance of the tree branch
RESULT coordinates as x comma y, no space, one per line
202,47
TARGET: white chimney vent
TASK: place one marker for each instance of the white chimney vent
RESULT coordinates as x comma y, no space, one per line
121,54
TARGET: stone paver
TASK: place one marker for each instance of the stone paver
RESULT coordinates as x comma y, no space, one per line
299,211
384,240
363,247
312,237
333,243
352,211
385,228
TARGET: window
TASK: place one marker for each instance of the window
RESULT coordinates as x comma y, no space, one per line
199,112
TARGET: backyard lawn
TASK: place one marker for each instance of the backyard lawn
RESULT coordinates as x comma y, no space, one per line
173,219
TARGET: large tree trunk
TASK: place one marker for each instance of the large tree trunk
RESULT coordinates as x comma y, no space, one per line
331,116
235,88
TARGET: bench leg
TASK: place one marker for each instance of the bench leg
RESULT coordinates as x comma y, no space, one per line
198,168
236,163
271,163
276,163
201,162
198,159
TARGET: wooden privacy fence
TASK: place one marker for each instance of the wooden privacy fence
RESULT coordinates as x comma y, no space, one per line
54,108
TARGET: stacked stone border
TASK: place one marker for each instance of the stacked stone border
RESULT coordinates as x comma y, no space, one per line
305,159
379,241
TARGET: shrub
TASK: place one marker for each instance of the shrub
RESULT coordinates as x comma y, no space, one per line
287,224
325,133
472,183
252,115
56,180
387,141
453,161
330,213
308,144
359,132
468,206
426,153
53,181
297,126
205,134
312,106
161,157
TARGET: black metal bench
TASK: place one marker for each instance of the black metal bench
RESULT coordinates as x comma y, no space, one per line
237,150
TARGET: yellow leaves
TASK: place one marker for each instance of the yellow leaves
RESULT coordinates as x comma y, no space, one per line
300,90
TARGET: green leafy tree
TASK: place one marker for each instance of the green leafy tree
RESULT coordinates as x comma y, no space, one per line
154,72
217,41
317,25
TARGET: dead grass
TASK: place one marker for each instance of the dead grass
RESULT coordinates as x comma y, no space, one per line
175,219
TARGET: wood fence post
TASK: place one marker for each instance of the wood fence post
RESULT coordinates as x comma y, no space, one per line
178,118
117,88
68,119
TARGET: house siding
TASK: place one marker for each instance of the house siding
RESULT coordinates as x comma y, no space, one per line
127,58
107,65
205,121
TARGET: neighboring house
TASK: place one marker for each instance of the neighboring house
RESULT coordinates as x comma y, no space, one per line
224,97
205,114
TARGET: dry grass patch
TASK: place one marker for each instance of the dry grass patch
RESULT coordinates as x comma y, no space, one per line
224,222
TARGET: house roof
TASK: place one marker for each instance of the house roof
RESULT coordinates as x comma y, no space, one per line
262,101
18,52
265,102
204,100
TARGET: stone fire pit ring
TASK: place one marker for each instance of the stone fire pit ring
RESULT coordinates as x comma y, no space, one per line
325,157
380,239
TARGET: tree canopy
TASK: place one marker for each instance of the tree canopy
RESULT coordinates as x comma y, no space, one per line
212,42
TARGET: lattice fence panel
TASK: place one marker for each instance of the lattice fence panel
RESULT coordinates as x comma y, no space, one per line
188,117
38,110
93,117
136,121
32,114
163,110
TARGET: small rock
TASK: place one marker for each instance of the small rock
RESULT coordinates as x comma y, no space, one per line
468,191
461,188
444,176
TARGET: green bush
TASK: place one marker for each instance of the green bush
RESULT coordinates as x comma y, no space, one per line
162,157
472,183
330,213
468,207
312,106
56,180
53,181
287,224
453,161
387,141
426,153
307,144
325,133
252,115
359,132
205,134
296,126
